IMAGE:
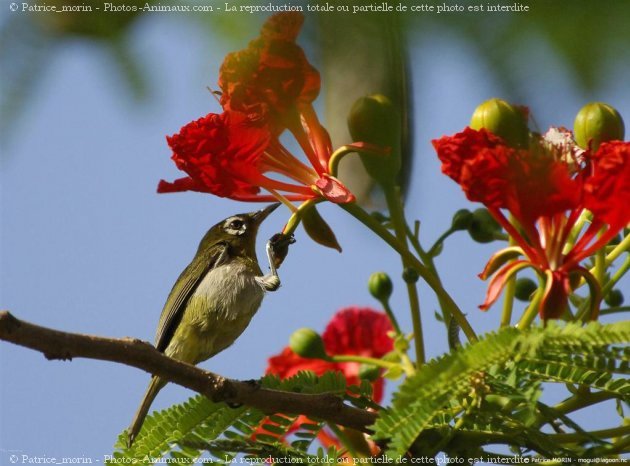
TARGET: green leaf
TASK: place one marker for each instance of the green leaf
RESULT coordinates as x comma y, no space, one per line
197,425
569,353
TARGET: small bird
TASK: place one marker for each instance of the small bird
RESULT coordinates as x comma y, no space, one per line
215,297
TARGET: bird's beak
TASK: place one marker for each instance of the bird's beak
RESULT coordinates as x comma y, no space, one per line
264,213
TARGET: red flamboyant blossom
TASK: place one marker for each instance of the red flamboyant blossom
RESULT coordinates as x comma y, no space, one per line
265,88
545,188
228,155
271,78
352,331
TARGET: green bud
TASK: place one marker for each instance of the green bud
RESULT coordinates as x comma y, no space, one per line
374,119
461,220
401,344
393,373
380,286
614,298
392,356
483,227
307,343
504,120
596,123
410,275
524,289
369,372
615,241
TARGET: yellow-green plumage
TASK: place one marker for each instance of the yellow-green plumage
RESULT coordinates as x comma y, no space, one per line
212,301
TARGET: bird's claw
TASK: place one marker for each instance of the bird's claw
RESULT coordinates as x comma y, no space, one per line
278,245
270,282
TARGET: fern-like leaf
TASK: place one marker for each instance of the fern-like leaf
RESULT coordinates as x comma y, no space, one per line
555,353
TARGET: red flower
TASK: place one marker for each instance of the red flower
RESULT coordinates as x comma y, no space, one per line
265,88
352,331
545,188
271,79
229,155
607,191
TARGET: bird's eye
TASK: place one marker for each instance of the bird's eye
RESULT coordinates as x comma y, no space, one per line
236,224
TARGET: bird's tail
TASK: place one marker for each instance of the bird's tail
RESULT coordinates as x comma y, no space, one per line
154,387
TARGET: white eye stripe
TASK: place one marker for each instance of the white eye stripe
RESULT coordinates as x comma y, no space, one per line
234,232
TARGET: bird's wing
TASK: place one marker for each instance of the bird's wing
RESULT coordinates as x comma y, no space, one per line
183,289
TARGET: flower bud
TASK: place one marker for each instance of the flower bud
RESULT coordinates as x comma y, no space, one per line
504,120
461,220
375,120
614,298
410,275
524,289
307,343
483,227
380,286
369,372
401,344
596,123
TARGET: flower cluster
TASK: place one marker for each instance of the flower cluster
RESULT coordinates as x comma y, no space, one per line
266,88
352,331
545,187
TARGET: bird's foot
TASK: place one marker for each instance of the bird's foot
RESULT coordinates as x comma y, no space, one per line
279,246
277,249
269,282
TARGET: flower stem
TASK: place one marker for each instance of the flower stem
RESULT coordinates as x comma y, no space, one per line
622,247
575,403
438,242
363,360
427,259
530,313
391,316
430,279
577,436
508,297
600,266
296,217
614,310
584,217
580,401
621,271
397,214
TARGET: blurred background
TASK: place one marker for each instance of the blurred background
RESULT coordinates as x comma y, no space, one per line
88,246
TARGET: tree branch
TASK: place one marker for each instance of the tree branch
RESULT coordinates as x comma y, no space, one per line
55,344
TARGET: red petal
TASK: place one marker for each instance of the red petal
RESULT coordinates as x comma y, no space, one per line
607,191
555,300
333,190
282,26
182,184
358,330
287,364
496,285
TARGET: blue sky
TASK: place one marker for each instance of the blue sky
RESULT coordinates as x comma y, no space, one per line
88,246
